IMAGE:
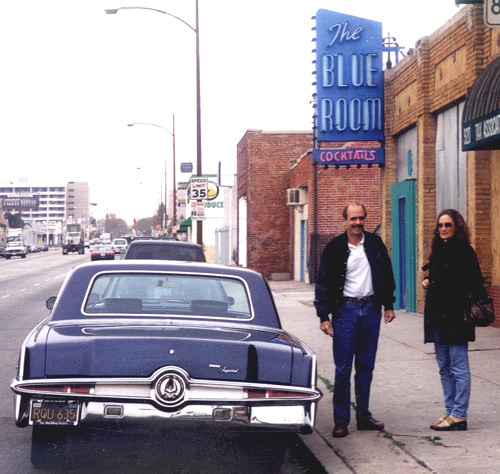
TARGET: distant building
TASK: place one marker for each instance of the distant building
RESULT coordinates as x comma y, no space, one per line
53,205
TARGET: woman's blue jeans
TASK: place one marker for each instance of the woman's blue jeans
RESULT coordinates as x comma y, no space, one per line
356,329
453,362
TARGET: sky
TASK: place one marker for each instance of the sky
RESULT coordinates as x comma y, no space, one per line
73,77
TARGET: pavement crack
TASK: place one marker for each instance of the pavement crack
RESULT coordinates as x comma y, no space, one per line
402,446
340,456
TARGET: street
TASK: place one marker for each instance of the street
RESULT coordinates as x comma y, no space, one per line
25,284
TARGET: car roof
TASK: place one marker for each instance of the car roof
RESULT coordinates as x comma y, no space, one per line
164,242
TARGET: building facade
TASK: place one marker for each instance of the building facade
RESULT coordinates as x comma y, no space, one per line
282,237
55,205
427,168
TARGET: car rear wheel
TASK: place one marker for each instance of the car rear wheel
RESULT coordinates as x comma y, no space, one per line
48,445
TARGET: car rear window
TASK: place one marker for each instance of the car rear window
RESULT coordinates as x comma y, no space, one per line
165,252
168,294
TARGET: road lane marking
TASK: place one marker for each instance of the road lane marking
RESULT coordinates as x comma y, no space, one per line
6,296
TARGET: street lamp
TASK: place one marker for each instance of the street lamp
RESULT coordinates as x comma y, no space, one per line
172,134
196,30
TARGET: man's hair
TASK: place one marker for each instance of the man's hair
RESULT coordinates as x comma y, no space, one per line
354,204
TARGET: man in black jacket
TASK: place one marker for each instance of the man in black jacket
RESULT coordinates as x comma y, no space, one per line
354,281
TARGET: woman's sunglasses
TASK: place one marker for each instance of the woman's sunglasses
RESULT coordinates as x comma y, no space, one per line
446,224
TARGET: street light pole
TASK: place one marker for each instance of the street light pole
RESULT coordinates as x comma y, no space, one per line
196,30
172,134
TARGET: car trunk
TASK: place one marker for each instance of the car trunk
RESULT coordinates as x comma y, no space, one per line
218,353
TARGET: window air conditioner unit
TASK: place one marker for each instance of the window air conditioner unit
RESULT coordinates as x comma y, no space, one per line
295,197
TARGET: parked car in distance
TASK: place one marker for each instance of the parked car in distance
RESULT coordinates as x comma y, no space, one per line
171,345
158,249
119,246
15,249
102,252
36,248
2,250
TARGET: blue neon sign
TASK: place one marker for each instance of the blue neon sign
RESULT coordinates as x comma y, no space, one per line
349,78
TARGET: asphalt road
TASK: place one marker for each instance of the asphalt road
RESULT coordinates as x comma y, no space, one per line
25,285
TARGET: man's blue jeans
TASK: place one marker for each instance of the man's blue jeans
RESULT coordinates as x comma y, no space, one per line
453,362
356,329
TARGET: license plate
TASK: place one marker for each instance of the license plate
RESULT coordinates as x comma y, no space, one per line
54,412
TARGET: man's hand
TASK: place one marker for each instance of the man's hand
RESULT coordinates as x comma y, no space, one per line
389,316
327,328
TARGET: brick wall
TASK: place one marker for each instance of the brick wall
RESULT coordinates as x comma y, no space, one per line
264,160
435,77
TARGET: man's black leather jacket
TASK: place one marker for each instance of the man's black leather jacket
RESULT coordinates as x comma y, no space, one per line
332,271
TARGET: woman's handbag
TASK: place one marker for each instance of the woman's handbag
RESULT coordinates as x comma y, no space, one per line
481,313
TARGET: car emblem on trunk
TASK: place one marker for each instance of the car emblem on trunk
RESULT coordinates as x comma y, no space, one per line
170,389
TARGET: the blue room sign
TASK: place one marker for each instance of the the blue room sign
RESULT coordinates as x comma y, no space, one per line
349,78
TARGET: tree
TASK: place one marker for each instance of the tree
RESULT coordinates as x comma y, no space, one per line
116,226
144,225
15,221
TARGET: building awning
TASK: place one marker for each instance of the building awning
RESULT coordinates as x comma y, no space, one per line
481,118
185,224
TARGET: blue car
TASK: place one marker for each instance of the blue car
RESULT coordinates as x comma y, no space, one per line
157,343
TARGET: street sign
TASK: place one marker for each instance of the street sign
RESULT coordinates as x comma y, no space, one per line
197,210
492,12
186,167
199,188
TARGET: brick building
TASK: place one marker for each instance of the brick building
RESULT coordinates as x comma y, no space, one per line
427,169
285,241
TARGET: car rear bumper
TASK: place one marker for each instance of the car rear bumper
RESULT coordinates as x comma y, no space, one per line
284,418
295,418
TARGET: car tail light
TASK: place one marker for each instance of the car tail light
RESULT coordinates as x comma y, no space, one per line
67,389
267,394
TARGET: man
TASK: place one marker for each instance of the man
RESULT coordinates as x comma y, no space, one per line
354,280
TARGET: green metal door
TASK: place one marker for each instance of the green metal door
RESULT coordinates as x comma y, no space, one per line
404,251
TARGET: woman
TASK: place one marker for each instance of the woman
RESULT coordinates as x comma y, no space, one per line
453,284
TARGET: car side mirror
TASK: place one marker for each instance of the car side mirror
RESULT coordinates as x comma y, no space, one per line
51,301
230,300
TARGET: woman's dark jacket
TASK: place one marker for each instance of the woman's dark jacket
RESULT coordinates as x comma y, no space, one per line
455,282
332,272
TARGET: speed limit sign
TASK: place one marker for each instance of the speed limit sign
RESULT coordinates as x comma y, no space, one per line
199,187
492,12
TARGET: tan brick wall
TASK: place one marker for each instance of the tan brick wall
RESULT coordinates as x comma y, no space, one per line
437,76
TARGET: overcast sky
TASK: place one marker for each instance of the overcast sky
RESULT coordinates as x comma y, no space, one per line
72,77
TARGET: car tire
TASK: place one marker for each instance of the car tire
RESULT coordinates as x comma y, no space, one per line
8,257
23,255
48,445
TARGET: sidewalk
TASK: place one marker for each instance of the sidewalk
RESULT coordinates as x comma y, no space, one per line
406,395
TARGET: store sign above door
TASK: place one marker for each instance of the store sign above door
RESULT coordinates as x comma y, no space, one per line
349,157
482,133
349,78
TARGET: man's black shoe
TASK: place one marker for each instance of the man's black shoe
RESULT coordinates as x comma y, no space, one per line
370,425
340,430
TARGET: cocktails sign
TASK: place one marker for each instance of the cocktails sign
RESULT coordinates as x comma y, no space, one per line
349,78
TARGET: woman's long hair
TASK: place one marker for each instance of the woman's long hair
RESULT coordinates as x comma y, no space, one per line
461,231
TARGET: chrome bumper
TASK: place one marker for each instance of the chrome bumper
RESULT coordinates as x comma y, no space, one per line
296,418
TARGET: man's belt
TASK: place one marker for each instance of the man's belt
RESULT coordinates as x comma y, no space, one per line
362,299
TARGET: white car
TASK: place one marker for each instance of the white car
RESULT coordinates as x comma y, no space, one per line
120,246
15,249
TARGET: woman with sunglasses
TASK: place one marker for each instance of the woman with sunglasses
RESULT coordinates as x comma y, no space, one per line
454,282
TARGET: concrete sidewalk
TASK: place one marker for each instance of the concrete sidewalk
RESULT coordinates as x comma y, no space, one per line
406,396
